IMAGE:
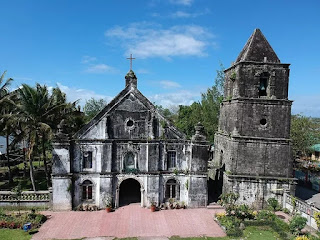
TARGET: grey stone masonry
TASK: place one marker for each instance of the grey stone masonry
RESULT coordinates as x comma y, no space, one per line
252,145
129,151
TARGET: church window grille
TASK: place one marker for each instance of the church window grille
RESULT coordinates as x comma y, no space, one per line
129,161
172,189
87,193
171,159
87,159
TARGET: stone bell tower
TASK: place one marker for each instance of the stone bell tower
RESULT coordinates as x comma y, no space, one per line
252,145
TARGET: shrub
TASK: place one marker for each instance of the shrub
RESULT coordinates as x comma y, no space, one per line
243,212
266,215
286,210
228,200
232,225
297,223
316,216
302,238
273,203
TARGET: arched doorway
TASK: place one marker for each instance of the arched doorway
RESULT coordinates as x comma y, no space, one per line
129,192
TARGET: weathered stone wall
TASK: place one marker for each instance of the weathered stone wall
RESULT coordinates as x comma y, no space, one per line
62,190
245,117
198,195
245,156
243,80
255,191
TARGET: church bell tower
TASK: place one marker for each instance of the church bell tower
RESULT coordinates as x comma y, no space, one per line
252,145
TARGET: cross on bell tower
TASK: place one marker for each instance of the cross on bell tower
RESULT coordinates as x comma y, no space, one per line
130,58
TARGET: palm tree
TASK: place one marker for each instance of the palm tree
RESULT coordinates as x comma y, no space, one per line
37,109
41,113
4,105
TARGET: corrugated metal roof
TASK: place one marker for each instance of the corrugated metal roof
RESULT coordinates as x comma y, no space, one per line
316,147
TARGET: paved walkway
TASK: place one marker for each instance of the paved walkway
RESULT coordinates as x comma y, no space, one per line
130,221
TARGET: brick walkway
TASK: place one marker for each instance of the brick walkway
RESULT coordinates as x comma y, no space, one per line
130,221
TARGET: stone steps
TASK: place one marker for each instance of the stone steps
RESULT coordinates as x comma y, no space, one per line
214,206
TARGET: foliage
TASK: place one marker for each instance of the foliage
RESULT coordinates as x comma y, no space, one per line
305,132
273,203
93,106
266,215
243,211
228,200
286,210
9,234
297,223
316,216
206,111
232,225
303,237
17,221
108,200
268,218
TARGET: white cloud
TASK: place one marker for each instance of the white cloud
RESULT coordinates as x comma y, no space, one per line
306,105
183,14
183,97
169,84
146,40
182,2
74,94
100,68
88,59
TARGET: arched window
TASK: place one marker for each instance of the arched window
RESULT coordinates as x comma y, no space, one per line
129,162
172,189
263,84
87,159
87,188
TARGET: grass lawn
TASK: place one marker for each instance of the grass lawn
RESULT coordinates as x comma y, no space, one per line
250,233
14,234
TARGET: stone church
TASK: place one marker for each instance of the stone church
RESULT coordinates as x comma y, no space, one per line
131,152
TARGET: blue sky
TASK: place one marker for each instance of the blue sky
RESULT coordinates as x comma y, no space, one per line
82,46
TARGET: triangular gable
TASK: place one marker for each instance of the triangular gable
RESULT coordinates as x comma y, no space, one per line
117,102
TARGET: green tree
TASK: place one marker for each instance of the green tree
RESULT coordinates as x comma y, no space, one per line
38,110
93,107
305,132
206,111
5,108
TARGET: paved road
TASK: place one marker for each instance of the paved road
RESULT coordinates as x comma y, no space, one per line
130,221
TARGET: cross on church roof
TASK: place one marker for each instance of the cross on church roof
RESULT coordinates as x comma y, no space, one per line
131,58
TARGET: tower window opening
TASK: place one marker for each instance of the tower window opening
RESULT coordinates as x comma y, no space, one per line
263,84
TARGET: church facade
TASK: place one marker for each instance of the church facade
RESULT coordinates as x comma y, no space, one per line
131,153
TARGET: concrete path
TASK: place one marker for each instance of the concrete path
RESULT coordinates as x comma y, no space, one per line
130,221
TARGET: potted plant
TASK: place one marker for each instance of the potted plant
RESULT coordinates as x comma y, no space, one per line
108,202
153,207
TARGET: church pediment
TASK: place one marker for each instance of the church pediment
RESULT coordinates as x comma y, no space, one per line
130,115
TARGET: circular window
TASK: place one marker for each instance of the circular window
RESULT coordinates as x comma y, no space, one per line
130,123
263,121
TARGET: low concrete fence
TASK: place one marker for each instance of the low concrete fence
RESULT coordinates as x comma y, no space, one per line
299,206
27,198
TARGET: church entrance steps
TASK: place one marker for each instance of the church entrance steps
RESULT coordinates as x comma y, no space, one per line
215,206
